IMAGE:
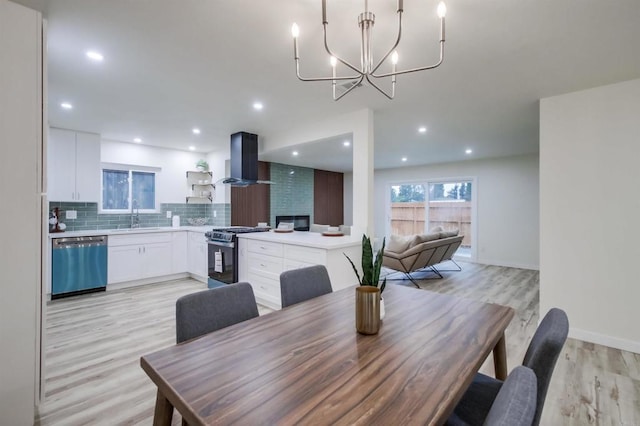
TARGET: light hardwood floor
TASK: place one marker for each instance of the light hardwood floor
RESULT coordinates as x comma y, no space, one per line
94,343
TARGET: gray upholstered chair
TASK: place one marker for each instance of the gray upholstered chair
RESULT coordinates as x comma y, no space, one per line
210,310
298,285
541,357
515,403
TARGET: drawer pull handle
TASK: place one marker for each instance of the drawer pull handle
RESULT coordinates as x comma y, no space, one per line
263,265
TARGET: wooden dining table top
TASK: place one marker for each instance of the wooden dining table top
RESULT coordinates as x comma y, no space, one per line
306,364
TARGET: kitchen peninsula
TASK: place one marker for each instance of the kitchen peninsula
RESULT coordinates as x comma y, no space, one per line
263,256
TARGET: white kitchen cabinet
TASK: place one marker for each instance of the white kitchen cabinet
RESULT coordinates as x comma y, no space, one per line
263,256
198,255
139,256
73,166
179,247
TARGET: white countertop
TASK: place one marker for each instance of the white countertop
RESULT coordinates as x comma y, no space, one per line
128,231
304,238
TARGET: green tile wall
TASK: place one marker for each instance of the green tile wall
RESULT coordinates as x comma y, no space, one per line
291,193
89,219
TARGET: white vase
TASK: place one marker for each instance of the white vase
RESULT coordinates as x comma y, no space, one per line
381,308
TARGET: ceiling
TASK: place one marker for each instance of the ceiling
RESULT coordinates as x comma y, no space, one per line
171,65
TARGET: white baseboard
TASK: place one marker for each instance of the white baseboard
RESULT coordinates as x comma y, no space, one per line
127,284
506,264
601,339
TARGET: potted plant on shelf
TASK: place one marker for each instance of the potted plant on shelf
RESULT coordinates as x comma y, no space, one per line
369,303
202,165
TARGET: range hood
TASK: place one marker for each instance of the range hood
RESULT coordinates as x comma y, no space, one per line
244,160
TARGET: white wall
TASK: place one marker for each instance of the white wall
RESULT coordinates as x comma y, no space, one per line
507,204
20,184
590,205
171,182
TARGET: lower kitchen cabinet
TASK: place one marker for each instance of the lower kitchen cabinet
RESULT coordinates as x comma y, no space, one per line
261,262
134,257
180,257
198,255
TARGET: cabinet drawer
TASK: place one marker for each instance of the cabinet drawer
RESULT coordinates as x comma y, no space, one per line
265,247
262,285
266,266
315,256
197,237
151,238
295,264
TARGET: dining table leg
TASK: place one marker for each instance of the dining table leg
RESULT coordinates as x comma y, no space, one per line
163,413
500,358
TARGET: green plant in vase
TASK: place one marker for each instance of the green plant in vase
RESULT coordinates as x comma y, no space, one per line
370,267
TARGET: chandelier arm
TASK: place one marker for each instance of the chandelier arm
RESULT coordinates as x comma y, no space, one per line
380,90
353,77
394,46
349,89
326,46
430,67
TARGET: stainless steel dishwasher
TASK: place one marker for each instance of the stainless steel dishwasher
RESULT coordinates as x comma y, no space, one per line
78,265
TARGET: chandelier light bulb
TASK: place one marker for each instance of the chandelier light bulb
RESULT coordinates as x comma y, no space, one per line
295,31
333,61
442,10
394,58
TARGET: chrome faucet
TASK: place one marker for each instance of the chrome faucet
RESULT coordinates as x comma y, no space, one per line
135,218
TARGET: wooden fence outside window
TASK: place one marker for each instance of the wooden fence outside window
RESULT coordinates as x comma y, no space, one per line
409,218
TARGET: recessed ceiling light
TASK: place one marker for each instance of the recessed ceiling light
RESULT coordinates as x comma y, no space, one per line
192,148
257,106
94,56
137,140
66,105
346,143
404,158
422,129
294,153
196,131
468,151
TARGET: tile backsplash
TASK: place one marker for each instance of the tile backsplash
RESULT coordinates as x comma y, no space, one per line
292,192
88,218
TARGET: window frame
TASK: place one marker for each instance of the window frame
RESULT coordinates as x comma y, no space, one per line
130,169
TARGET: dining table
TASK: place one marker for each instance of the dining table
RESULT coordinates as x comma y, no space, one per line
307,365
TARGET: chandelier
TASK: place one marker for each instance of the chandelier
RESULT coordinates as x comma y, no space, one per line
367,70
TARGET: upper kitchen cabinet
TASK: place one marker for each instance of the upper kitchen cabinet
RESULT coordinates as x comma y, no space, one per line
73,166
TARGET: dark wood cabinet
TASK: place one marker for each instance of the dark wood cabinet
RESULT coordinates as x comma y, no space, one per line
328,203
252,204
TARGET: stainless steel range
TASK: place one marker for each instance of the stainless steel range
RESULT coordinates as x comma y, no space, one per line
223,254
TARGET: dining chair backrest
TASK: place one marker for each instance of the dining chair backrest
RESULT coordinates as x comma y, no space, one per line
210,310
515,404
543,352
298,285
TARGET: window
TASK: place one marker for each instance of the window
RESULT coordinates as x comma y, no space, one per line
123,190
416,208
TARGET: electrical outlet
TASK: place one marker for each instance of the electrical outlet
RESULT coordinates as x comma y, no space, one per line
215,213
71,214
168,214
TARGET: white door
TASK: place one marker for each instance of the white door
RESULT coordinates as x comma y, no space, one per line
61,165
125,263
87,167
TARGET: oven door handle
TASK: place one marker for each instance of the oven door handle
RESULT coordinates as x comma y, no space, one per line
220,243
